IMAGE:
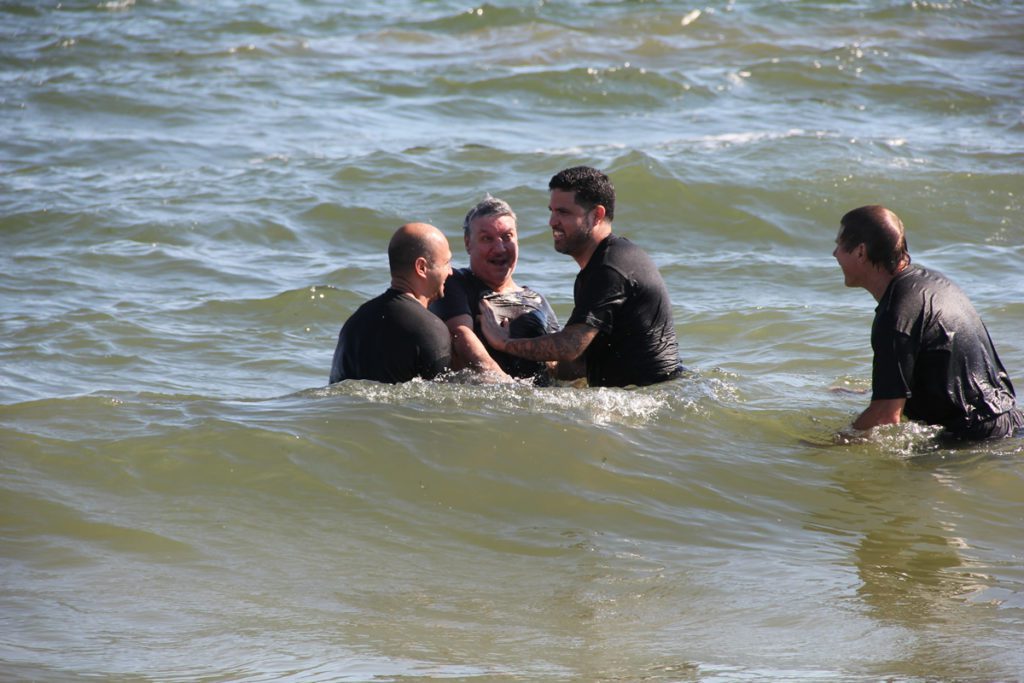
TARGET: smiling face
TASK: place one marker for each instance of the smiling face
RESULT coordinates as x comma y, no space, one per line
438,270
493,248
571,224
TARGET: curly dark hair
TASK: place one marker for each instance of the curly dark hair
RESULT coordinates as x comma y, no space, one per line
592,187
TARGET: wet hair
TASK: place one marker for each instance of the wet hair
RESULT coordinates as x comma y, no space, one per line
488,206
591,187
880,231
403,250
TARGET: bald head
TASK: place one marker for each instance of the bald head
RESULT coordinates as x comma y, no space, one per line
880,231
421,261
413,241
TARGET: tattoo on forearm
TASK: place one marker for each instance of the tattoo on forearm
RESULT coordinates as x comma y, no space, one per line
566,345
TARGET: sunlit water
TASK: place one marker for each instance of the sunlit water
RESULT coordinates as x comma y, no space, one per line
195,196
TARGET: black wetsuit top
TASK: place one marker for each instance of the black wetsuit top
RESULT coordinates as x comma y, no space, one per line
391,338
932,348
529,313
621,293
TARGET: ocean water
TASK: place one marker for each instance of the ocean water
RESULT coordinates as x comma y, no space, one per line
194,197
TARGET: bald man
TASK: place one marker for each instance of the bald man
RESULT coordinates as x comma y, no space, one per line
934,360
394,338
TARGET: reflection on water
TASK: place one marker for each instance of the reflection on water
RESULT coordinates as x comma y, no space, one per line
908,573
919,573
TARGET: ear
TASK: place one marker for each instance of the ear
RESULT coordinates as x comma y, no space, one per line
465,240
599,213
421,266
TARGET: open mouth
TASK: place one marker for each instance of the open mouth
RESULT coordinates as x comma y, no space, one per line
500,262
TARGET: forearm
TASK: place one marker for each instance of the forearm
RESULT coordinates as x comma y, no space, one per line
566,346
472,353
475,357
880,412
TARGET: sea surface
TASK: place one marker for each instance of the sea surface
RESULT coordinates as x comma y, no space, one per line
194,196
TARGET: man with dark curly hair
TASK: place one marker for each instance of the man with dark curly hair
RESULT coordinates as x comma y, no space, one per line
621,331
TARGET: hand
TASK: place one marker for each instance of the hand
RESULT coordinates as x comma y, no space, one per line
880,412
494,329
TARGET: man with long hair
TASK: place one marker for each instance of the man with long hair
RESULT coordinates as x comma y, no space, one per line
933,358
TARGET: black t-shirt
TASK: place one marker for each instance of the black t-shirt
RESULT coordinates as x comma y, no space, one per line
621,293
529,314
932,348
391,338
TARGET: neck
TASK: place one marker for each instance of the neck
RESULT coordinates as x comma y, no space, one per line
504,286
601,232
879,282
407,288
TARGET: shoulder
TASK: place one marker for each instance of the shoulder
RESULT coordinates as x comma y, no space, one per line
414,310
622,251
919,294
432,331
463,283
935,280
405,308
624,259
422,327
372,306
919,276
461,291
917,282
462,275
622,245
619,243
461,278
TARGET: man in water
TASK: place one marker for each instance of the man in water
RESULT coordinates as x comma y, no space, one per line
393,337
621,331
934,360
489,232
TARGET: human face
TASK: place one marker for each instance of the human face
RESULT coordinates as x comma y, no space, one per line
439,270
571,224
493,248
851,262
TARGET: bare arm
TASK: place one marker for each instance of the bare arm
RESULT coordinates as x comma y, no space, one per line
880,412
567,345
469,351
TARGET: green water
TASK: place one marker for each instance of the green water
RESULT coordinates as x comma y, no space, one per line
193,198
